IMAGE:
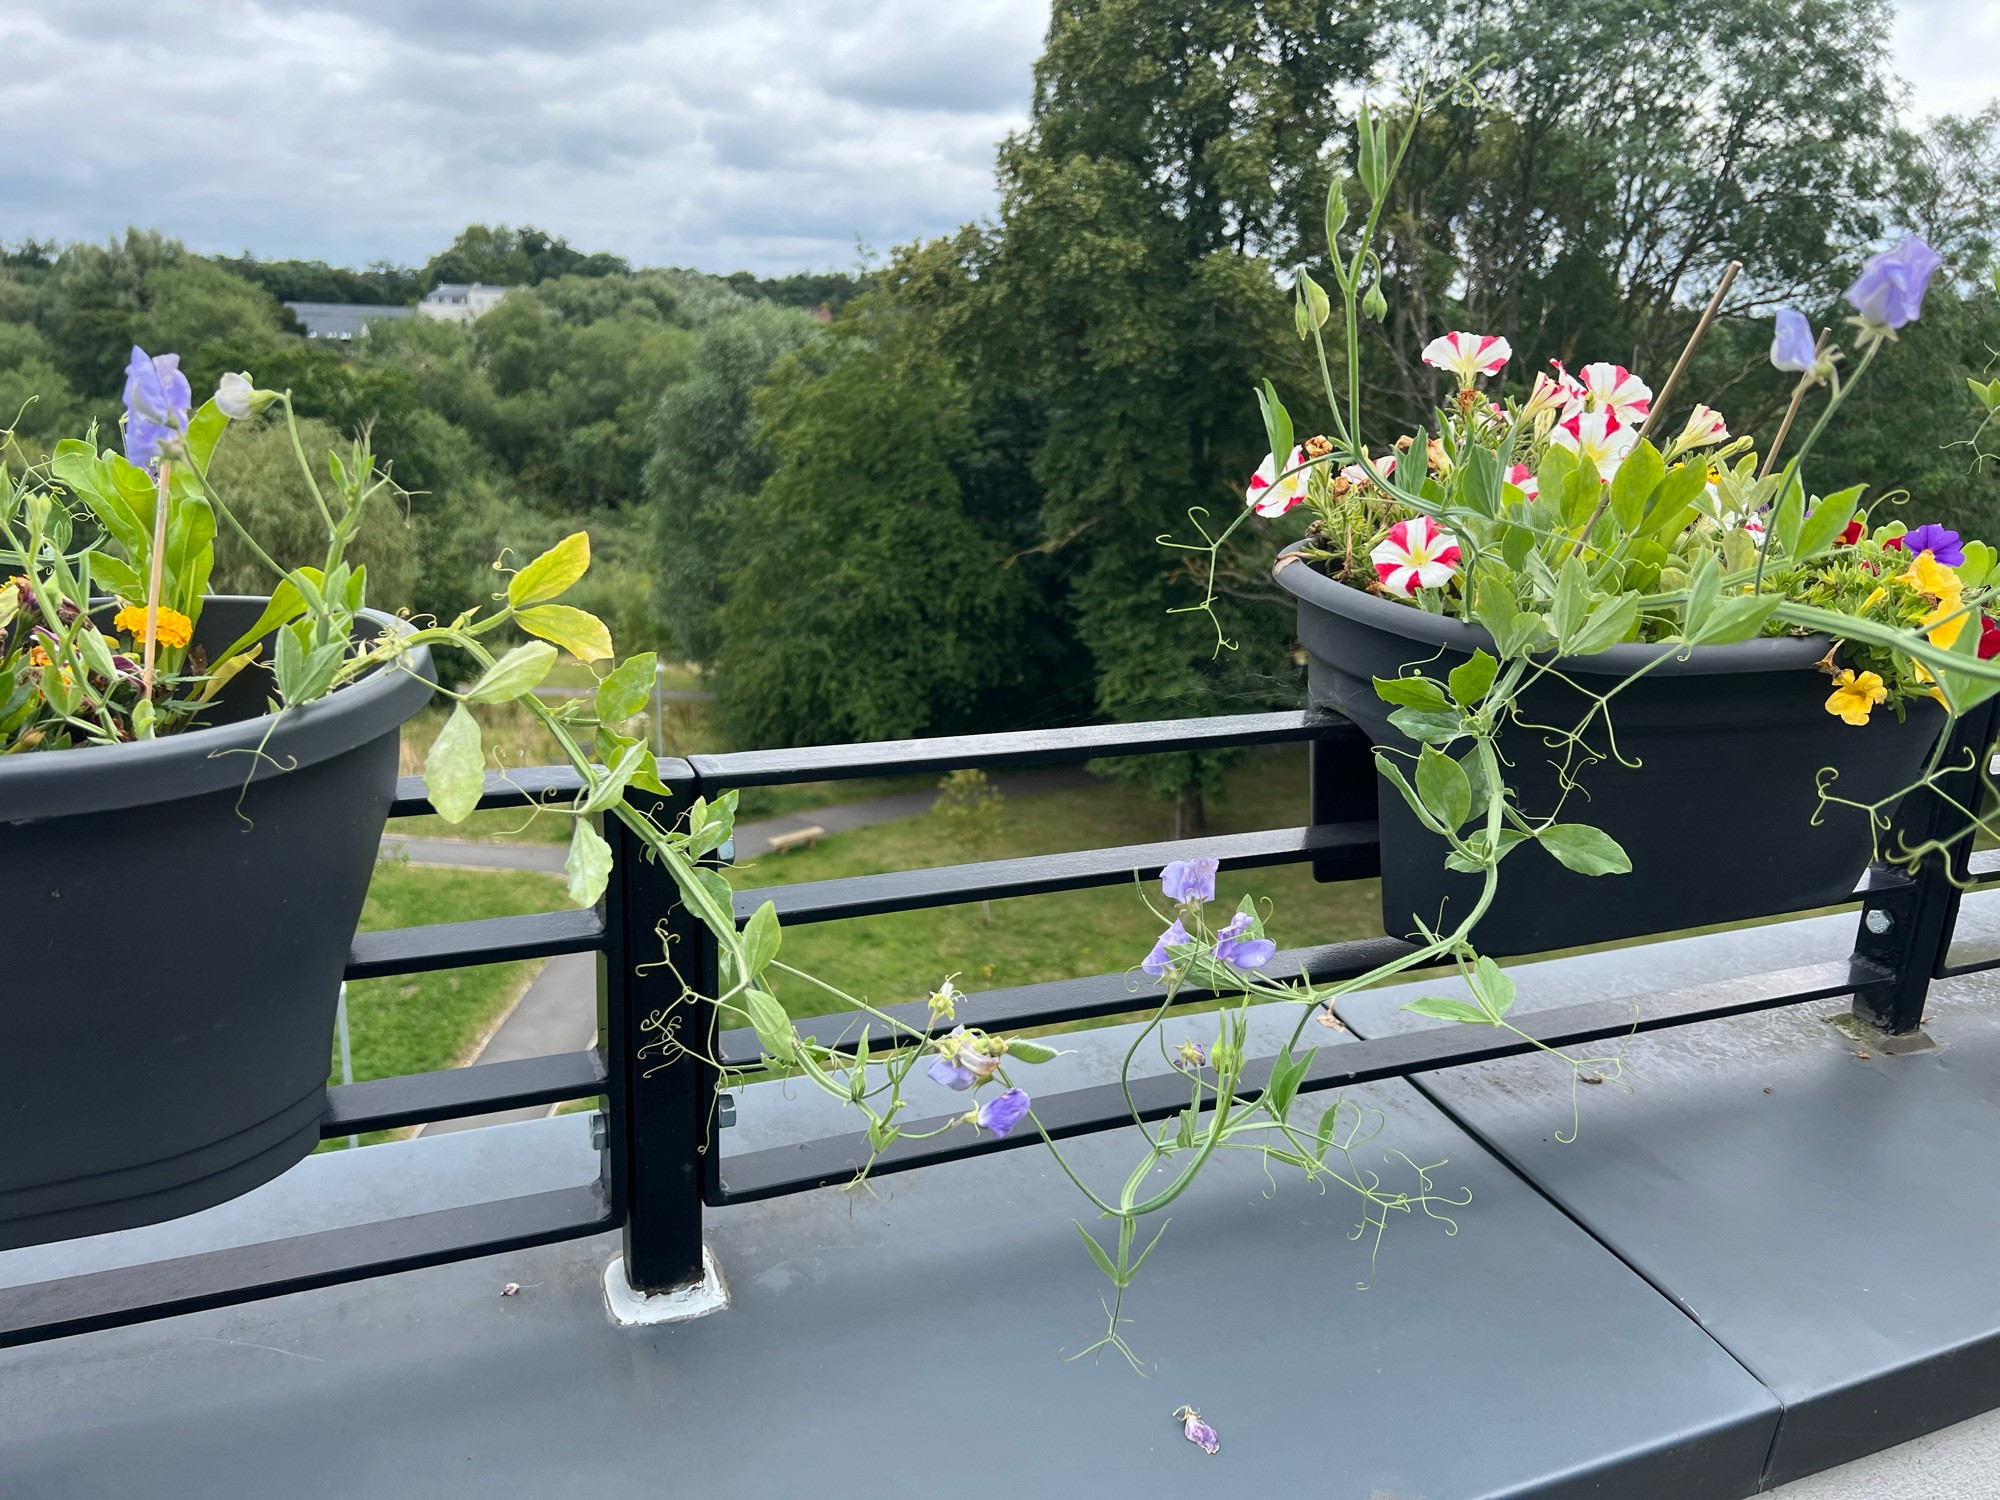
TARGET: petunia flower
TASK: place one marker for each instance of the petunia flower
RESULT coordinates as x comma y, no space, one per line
1197,1431
1889,292
1523,479
1930,576
157,398
1853,696
1187,880
1003,1111
1548,394
1569,389
1234,946
1416,554
1468,355
1269,495
1940,541
1355,474
1596,438
1989,638
1792,342
1615,389
1160,960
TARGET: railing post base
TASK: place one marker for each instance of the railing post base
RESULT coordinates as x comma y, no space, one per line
630,1308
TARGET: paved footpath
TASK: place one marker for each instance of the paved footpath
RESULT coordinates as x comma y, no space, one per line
558,1010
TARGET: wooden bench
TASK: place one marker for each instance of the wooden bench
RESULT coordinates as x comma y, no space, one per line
784,843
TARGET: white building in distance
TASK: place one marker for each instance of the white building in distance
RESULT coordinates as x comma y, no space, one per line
455,302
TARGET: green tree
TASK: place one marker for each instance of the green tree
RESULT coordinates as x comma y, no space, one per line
513,257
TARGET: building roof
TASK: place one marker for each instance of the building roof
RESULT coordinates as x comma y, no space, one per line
344,320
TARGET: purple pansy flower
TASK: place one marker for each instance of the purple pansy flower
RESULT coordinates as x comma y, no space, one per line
1197,1431
157,398
1003,1111
1889,292
1940,541
1189,880
1233,947
1159,960
1792,344
943,1070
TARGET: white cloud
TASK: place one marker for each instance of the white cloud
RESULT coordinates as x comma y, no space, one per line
720,133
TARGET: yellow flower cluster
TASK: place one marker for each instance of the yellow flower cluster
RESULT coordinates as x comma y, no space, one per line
173,630
1853,696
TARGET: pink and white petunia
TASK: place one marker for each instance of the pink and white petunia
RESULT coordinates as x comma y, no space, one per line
1416,554
1523,479
1269,495
1564,391
1615,389
1356,475
1596,438
1468,355
1704,428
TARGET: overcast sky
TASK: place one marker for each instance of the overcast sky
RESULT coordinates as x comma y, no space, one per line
765,134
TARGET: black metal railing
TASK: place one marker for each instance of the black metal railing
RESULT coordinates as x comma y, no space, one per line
661,1166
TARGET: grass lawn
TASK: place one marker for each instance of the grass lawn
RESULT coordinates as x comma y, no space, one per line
902,956
417,1023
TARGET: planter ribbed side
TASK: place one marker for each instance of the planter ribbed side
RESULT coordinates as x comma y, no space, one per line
1713,790
178,917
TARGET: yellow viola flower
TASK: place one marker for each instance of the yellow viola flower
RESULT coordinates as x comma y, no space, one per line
173,631
1853,696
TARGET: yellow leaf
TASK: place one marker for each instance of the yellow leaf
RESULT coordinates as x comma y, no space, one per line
551,573
581,634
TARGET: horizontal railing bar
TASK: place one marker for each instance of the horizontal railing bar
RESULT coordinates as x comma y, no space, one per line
1029,1005
835,1159
455,1093
1039,874
520,786
1037,747
1985,865
1977,966
243,1273
493,940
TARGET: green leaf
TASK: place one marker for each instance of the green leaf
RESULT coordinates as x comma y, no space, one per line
1478,480
1571,606
1443,785
773,1026
286,603
454,770
1586,850
549,575
1515,631
1704,593
581,635
1185,1132
1471,679
515,675
1412,692
1672,502
1432,728
1986,394
1737,619
1978,565
1494,988
1610,622
204,430
1441,1009
1829,519
1396,778
1097,1254
1786,524
1287,1073
1277,428
608,787
1637,477
624,692
1557,465
589,863
761,938
1023,1050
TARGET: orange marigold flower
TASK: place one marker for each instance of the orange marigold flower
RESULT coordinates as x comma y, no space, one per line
174,629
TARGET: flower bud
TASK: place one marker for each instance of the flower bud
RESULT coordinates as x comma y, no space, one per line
237,396
1336,214
1314,300
1373,303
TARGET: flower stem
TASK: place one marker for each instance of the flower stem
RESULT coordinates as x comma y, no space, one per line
158,574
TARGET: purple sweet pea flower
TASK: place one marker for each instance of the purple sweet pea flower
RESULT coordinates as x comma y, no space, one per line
1889,292
1003,1111
1159,960
1197,1431
943,1070
1232,947
1792,345
1940,541
1189,880
157,398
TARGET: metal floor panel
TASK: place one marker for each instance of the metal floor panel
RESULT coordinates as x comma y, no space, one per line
1832,1219
910,1342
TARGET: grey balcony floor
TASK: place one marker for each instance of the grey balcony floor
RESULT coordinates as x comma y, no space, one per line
1836,1235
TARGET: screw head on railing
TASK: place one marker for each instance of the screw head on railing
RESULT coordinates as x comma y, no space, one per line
1878,921
725,1111
600,1135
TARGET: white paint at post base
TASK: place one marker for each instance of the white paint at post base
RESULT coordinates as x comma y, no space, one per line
632,1309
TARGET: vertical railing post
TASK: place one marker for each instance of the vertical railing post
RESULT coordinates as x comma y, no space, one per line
658,1032
1341,768
1907,925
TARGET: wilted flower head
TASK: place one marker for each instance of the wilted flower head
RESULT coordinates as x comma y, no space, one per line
1468,355
1190,1055
1197,1431
1889,292
944,1001
157,399
1269,495
1235,944
1416,554
1187,880
1002,1112
1160,960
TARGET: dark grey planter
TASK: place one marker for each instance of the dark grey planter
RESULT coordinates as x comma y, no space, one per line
1718,815
178,915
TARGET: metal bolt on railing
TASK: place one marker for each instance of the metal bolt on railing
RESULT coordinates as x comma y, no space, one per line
1879,921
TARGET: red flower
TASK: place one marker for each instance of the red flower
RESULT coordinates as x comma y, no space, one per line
1851,535
1989,638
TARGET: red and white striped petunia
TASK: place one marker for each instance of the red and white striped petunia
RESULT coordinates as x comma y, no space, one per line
1523,479
1704,427
1468,355
1416,554
1596,438
1354,474
1269,495
1615,389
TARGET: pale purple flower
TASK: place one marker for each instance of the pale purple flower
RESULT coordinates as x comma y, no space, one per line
1792,345
1889,292
157,398
1940,541
1233,947
1159,960
1003,1111
1197,1431
943,1070
1189,880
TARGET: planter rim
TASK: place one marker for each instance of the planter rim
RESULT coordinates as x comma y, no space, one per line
108,778
1768,654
